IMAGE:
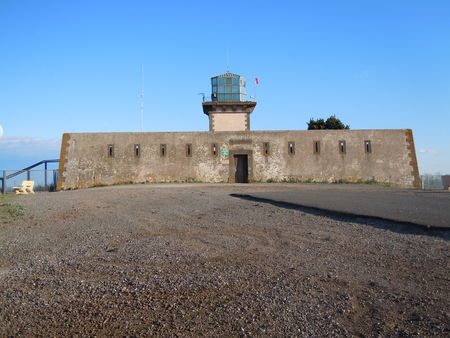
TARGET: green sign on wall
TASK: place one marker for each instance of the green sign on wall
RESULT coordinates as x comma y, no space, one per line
225,152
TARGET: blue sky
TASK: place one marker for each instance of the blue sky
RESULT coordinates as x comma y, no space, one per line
75,66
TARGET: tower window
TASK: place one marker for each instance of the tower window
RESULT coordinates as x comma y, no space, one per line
214,150
316,147
110,150
137,150
188,150
342,147
368,147
266,148
291,148
163,150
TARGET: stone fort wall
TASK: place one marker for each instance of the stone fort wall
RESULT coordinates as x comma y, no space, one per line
90,159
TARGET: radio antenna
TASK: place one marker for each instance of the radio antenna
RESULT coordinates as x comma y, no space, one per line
142,98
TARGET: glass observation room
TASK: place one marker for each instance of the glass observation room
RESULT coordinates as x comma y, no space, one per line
228,87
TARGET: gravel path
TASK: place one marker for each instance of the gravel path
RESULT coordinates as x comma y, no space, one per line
191,260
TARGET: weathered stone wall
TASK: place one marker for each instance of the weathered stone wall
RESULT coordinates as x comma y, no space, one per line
85,160
229,121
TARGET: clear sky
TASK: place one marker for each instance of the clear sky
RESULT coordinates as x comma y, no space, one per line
75,66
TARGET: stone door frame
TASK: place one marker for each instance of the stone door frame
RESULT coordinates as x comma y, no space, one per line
232,164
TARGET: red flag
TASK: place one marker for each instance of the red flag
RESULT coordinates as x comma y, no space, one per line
256,80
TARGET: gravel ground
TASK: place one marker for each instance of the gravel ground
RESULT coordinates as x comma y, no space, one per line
191,260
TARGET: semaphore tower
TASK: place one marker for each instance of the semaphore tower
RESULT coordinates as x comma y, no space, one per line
228,109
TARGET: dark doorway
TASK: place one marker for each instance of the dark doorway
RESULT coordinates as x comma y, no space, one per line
241,175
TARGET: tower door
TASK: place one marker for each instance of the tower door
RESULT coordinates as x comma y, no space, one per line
241,175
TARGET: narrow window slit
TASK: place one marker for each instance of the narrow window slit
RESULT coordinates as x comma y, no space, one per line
291,148
266,149
214,150
342,147
163,150
137,150
316,147
368,146
188,150
110,150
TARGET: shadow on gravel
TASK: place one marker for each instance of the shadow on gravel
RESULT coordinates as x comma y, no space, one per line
434,192
386,224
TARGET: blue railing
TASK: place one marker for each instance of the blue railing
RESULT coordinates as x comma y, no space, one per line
26,170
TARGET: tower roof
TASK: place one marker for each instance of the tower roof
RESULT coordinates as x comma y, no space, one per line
227,74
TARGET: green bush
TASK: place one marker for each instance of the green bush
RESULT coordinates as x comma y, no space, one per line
331,123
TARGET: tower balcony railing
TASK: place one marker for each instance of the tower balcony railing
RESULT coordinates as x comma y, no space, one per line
242,98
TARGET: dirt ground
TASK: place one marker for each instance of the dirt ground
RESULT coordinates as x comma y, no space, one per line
192,260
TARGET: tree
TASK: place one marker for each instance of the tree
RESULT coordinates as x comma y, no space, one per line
331,123
316,124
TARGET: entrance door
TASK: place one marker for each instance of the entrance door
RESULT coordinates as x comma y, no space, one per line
241,175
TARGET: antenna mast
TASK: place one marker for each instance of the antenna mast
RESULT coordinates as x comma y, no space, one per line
142,98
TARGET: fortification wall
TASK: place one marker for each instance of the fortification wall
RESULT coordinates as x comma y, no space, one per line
86,159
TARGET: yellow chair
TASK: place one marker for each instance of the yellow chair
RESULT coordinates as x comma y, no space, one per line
25,189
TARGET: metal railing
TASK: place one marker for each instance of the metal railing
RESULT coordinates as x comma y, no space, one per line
435,182
42,180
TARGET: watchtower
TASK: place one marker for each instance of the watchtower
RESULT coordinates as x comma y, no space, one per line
228,109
